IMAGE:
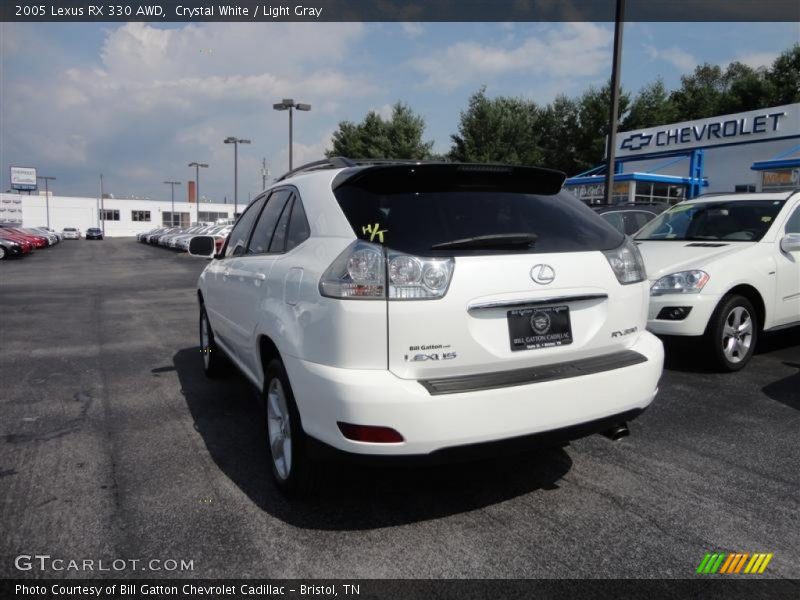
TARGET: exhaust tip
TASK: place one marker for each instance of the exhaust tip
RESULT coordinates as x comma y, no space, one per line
617,432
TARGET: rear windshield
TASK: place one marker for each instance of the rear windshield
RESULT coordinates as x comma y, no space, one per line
69,229
415,222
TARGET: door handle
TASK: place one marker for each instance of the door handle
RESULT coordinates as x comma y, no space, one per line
260,277
226,273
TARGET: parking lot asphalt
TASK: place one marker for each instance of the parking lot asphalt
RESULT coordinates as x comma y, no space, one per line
114,445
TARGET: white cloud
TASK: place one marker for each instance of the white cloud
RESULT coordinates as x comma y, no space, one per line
153,100
413,30
757,59
384,111
677,57
305,153
580,49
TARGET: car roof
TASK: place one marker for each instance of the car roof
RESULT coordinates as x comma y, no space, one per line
742,197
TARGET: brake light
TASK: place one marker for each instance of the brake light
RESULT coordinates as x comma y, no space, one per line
361,272
370,433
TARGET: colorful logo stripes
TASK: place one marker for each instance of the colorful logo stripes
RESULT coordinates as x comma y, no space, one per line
734,563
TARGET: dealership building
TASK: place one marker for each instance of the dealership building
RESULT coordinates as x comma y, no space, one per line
754,151
117,216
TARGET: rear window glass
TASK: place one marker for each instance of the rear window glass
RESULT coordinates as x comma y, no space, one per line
414,222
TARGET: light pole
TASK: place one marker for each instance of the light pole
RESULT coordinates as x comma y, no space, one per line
102,215
235,142
613,117
289,104
46,195
197,167
172,214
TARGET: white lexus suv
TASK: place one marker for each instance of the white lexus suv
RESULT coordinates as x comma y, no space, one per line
724,267
411,310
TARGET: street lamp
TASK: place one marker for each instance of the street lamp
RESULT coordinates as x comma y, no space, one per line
197,167
46,195
289,104
172,214
235,142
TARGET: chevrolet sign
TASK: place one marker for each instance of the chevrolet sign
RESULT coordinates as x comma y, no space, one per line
757,125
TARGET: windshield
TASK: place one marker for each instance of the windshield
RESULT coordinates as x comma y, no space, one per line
733,221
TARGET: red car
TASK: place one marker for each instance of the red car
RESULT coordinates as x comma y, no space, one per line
37,240
25,242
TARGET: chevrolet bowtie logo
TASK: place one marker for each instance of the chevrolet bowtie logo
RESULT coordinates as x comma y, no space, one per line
637,141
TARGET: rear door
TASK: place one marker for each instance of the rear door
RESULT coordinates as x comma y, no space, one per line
252,271
509,304
222,280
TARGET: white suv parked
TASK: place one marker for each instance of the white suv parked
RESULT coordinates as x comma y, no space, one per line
725,267
412,309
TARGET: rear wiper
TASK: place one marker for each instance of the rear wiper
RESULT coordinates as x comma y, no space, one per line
498,241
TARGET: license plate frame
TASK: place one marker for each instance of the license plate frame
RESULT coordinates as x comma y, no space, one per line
539,327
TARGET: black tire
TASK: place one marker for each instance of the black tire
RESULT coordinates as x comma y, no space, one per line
214,364
728,352
295,478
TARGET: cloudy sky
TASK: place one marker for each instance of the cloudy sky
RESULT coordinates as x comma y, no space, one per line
138,102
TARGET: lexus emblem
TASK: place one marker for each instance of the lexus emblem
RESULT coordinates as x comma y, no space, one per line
543,274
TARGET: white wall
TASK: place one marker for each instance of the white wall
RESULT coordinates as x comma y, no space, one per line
72,211
724,167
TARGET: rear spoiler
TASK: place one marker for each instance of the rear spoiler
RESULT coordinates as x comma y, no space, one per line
448,177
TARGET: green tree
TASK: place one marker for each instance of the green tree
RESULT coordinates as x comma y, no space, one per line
651,107
400,136
559,133
745,89
700,93
501,129
593,125
784,77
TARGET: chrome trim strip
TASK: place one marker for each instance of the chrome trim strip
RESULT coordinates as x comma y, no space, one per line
535,301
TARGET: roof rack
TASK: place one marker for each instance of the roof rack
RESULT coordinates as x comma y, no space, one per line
341,162
334,162
789,193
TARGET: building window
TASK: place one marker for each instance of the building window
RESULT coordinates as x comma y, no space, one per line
211,217
178,219
780,180
107,214
140,215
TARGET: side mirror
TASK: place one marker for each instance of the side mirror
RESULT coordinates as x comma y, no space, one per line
202,245
790,242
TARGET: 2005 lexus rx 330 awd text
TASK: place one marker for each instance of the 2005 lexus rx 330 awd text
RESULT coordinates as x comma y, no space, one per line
410,309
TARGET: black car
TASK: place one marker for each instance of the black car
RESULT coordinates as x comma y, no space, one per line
94,233
631,216
9,248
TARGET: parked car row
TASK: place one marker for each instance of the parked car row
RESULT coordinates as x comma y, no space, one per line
20,241
178,238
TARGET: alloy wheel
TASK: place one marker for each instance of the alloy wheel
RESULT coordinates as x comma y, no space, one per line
737,334
279,429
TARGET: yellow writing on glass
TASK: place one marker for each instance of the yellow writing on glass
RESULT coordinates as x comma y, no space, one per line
374,231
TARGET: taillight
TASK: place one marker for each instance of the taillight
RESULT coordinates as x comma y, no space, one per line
361,271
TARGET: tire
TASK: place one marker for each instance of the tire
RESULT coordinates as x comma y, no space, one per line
2,252
732,334
292,468
214,364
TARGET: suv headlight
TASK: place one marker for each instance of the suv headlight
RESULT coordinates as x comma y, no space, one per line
626,262
683,282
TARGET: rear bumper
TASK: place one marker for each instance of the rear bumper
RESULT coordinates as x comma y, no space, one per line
467,452
554,410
